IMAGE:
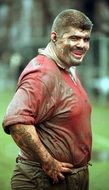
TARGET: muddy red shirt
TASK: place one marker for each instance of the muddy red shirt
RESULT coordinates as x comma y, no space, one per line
48,98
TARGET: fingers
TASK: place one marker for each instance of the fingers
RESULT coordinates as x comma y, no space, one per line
61,176
56,169
66,170
67,165
58,177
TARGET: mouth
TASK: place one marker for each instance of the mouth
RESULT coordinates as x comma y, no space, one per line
77,53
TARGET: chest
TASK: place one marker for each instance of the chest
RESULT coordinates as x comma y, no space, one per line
73,99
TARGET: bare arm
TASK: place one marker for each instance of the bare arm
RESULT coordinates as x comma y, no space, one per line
27,139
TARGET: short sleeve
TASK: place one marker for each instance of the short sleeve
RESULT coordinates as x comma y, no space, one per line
31,103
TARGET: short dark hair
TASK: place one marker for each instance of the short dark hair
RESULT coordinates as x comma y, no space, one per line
71,18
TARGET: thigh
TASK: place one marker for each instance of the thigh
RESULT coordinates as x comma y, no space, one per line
78,181
29,175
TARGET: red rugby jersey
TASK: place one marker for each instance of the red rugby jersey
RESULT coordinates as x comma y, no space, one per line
47,98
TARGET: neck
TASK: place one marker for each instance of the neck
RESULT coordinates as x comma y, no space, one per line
50,52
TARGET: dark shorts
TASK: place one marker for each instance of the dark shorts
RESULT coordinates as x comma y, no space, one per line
28,175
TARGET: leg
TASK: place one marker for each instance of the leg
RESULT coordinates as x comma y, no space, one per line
78,181
29,175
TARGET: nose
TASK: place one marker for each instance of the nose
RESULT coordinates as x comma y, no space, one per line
81,43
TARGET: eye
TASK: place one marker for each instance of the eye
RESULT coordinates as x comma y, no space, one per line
74,38
86,39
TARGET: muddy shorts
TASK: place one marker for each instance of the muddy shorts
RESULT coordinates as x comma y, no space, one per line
28,175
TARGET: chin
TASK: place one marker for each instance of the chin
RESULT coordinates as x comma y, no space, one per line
76,62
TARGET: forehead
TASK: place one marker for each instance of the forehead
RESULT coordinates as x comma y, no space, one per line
77,32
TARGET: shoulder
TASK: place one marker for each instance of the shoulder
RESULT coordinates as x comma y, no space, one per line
41,69
40,65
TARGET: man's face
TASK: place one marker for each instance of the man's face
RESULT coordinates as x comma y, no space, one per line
72,46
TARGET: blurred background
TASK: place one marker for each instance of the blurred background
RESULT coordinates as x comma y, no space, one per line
25,27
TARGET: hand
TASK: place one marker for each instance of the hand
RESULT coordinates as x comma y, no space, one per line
55,169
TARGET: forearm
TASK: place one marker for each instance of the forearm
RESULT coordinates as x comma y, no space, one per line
27,139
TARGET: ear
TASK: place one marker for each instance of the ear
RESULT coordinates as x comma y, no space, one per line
53,36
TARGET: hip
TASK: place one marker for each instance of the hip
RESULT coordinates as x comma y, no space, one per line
29,175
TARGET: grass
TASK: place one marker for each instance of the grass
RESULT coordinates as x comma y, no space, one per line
99,175
8,149
99,172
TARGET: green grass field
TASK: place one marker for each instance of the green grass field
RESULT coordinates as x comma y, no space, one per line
99,171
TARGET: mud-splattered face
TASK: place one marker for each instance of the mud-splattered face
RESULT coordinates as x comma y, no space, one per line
72,46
